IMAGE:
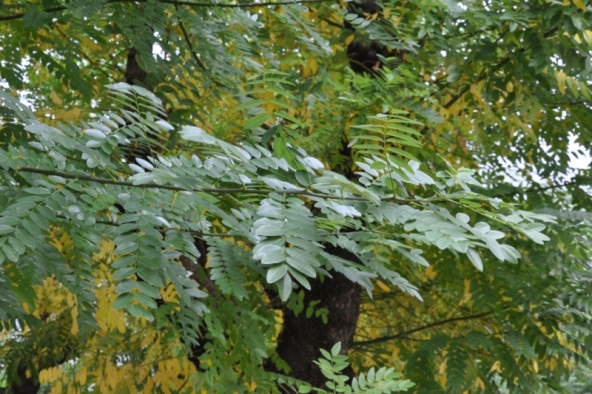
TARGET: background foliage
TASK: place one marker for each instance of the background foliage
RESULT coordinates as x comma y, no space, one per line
439,171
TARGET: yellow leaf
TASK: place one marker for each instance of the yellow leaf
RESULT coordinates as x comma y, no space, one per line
561,78
475,90
580,4
56,99
383,286
70,115
430,273
573,86
82,376
121,324
111,375
44,376
442,368
312,64
479,383
349,40
587,36
56,387
509,87
577,38
585,90
74,330
395,353
496,367
467,294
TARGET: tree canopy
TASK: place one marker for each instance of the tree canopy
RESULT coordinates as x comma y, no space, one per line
295,196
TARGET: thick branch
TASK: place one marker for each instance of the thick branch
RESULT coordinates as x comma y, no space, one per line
179,2
422,328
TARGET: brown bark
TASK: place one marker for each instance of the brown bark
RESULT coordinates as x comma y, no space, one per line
27,385
302,337
133,72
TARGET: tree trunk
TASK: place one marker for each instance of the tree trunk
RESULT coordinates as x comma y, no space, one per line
302,337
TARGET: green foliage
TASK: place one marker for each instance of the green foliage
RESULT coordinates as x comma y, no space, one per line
257,139
81,191
378,381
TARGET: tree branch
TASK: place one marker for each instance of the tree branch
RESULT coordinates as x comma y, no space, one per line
414,330
190,45
533,189
484,73
178,2
298,192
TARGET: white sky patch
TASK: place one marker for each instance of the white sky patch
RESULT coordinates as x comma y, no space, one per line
578,161
157,51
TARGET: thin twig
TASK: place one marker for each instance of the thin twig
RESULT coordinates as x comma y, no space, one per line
539,188
189,44
425,327
180,2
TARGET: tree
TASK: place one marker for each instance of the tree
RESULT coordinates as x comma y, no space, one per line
314,166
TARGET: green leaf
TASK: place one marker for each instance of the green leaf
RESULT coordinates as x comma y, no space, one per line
149,290
125,286
10,253
37,190
276,273
150,276
124,261
25,238
475,258
270,230
269,134
285,287
336,349
192,133
123,273
257,120
145,300
125,248
287,116
9,221
138,311
122,301
303,177
4,229
249,104
196,293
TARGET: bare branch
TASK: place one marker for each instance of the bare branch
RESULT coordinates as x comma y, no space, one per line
422,328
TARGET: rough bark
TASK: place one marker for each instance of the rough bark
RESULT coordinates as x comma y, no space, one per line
134,74
27,385
302,337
